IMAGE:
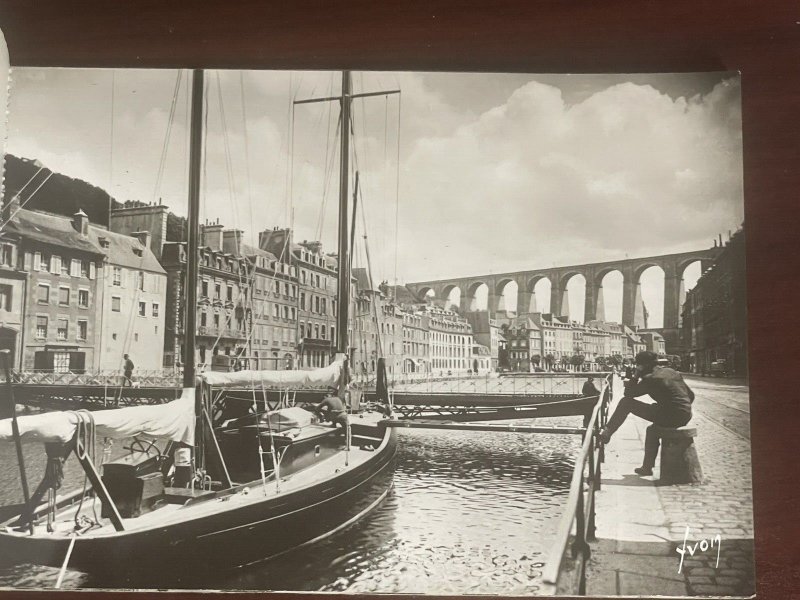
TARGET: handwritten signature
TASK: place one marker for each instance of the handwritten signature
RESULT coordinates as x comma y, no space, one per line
702,546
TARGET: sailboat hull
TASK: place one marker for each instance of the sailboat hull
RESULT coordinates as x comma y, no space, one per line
231,537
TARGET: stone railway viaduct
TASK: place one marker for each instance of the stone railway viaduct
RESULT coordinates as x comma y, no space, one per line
631,269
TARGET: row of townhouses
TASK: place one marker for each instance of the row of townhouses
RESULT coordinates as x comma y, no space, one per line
546,341
76,296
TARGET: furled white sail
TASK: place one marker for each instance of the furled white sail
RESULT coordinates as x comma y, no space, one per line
172,421
315,378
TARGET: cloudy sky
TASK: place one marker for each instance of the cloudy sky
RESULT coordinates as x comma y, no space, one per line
462,173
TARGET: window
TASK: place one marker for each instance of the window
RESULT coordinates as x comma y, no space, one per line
302,300
142,309
217,292
116,304
324,306
230,293
323,332
117,277
316,331
83,298
275,309
43,294
216,320
85,268
8,255
6,292
135,337
203,319
83,328
285,312
316,303
293,312
63,329
61,362
155,309
113,336
204,288
63,296
64,266
302,331
141,280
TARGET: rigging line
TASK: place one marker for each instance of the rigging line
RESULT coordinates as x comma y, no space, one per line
329,177
28,199
165,146
385,178
327,150
19,192
227,149
290,158
397,193
111,144
246,149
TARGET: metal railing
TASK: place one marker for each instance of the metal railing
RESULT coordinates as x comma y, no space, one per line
141,378
533,384
565,569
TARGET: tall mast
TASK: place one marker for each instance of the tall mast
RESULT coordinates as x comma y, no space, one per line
343,294
195,158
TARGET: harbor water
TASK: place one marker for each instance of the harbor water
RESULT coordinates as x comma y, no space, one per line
468,513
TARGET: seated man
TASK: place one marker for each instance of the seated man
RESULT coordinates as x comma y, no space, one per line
332,409
673,406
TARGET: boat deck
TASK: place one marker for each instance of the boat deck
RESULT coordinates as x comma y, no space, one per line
239,496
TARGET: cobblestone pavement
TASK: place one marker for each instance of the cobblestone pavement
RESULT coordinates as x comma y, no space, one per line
720,506
726,401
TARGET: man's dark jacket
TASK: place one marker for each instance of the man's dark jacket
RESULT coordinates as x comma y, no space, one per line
667,388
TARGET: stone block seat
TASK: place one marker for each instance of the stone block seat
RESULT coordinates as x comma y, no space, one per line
679,460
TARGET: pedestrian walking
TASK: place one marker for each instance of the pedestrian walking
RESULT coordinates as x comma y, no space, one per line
128,369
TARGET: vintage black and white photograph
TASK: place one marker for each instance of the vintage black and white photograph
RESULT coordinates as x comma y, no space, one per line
374,332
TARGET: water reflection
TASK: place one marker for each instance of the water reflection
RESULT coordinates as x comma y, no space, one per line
468,513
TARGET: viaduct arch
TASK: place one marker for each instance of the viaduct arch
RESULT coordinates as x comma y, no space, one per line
673,266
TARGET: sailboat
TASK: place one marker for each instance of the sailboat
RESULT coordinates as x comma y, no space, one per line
222,492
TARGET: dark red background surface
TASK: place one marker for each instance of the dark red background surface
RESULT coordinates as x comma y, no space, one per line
761,39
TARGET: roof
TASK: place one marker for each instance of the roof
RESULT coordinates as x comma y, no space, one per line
248,250
122,250
362,280
51,229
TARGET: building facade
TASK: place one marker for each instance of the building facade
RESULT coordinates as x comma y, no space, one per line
13,290
450,341
317,282
714,329
416,343
134,302
62,313
485,330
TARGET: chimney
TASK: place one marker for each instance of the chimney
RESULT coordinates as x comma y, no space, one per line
143,237
211,236
277,241
80,222
232,241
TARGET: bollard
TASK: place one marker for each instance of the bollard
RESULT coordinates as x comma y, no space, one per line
679,460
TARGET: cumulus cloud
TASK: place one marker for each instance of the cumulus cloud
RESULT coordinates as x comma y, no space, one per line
496,172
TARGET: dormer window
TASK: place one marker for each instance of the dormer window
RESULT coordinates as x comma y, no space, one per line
138,251
104,243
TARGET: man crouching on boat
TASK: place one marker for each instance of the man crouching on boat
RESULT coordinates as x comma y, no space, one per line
673,406
332,409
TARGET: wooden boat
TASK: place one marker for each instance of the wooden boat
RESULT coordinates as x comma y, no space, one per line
224,491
